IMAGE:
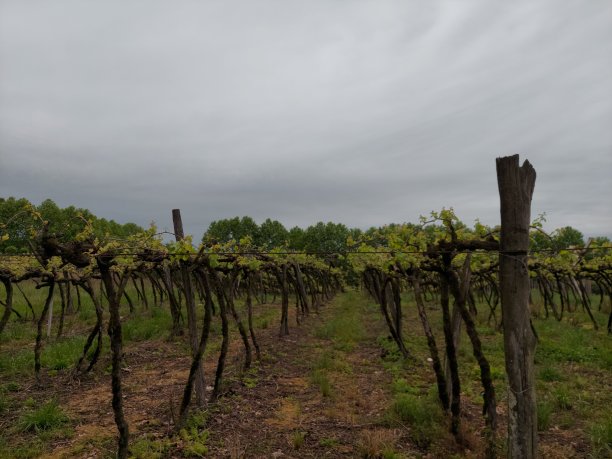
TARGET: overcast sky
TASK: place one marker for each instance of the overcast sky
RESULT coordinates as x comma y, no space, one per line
361,112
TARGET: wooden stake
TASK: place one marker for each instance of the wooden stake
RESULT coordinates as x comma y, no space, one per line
516,186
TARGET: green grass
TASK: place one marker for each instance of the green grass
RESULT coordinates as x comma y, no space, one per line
149,448
320,379
561,342
154,323
49,416
57,355
297,439
563,398
33,448
549,374
63,353
4,403
328,442
346,327
544,413
572,364
402,386
601,438
420,413
344,330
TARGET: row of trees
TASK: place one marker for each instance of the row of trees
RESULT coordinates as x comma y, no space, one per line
18,216
337,237
320,237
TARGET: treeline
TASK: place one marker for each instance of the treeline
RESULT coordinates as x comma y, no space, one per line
337,237
322,237
18,216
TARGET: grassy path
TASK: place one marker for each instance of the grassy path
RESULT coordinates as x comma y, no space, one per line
321,392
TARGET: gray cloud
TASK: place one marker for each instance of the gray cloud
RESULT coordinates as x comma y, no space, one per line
360,112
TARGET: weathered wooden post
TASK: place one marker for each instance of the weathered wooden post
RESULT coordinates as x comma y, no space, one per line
516,186
191,311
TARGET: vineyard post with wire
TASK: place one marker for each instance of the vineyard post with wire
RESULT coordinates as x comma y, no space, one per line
516,186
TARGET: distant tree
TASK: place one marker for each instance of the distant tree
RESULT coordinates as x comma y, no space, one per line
594,244
326,237
539,240
53,214
129,229
601,240
567,237
356,234
295,238
66,223
561,238
103,227
232,228
271,234
17,222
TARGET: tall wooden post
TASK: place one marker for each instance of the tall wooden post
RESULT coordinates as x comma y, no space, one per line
191,311
516,186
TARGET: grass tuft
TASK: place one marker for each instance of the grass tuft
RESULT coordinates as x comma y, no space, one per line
544,412
47,417
601,438
420,413
375,444
549,374
320,379
297,439
145,327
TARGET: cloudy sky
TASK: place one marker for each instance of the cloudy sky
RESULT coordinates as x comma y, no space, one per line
361,112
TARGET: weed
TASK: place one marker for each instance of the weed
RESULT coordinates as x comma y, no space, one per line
147,448
55,356
47,417
325,361
346,328
142,328
330,360
194,441
544,411
389,350
374,444
497,373
31,449
601,438
401,386
321,380
328,442
563,398
62,354
12,386
567,344
17,363
420,413
197,419
297,439
4,402
549,374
